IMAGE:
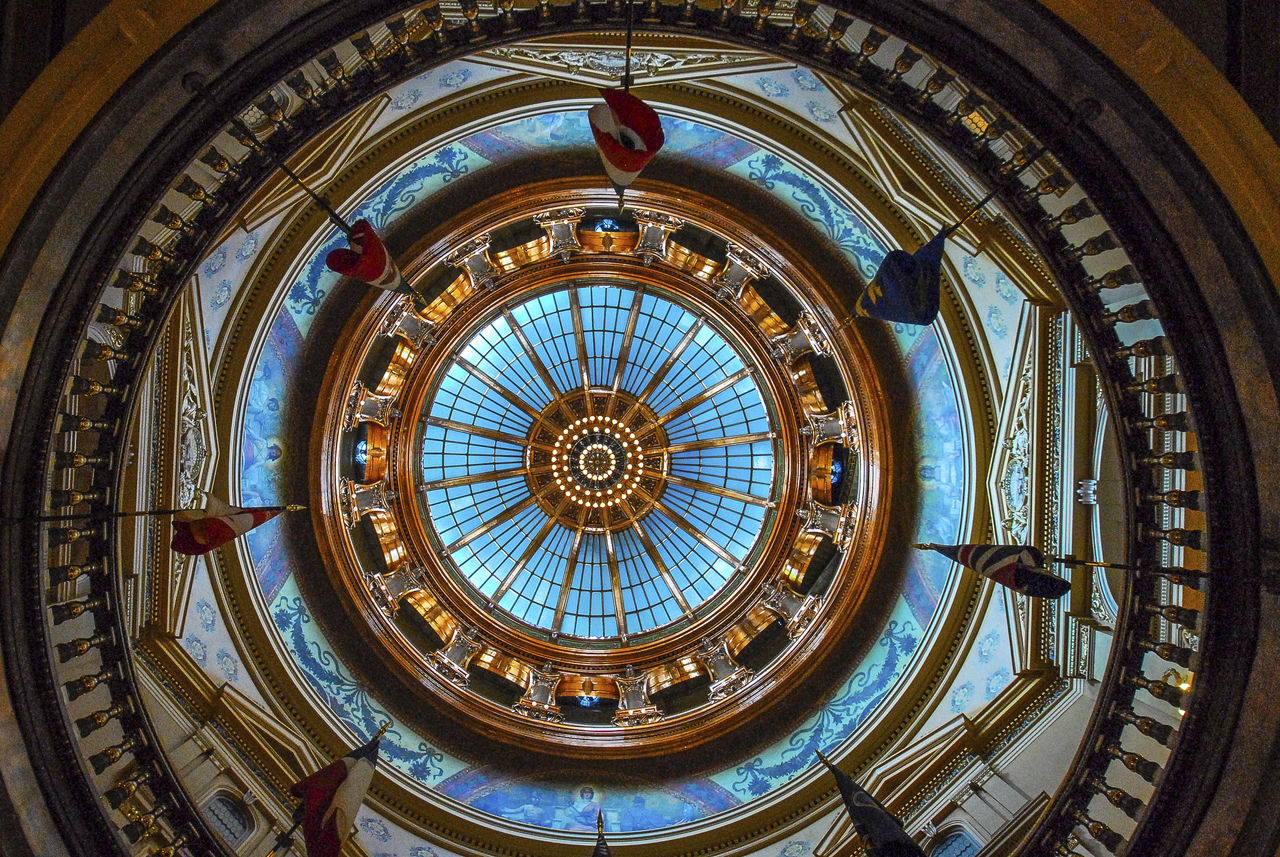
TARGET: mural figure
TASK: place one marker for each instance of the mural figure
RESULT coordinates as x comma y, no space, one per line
582,813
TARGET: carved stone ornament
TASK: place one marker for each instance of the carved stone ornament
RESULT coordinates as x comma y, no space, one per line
1015,474
404,321
840,425
390,588
805,336
364,405
193,443
740,268
634,707
795,609
473,257
561,226
655,229
612,62
727,676
538,702
836,522
450,661
357,500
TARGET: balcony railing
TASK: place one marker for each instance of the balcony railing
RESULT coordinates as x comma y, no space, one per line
84,617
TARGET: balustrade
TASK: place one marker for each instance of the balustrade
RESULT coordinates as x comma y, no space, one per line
168,253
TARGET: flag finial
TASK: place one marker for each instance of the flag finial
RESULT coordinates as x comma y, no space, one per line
294,507
382,730
599,821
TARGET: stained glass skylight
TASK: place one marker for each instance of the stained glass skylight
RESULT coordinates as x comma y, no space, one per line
598,462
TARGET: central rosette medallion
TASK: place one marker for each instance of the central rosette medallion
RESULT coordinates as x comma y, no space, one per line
607,464
596,461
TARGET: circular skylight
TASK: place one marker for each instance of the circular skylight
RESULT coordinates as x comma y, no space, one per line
618,476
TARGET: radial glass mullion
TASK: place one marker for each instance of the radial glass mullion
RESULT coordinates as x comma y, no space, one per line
696,570
659,329
604,319
590,606
467,399
458,511
733,411
733,520
497,352
532,598
743,467
487,560
547,323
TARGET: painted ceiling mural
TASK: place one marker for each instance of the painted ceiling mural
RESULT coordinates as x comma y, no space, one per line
554,798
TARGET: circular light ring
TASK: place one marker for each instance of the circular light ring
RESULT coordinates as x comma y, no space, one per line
611,431
598,462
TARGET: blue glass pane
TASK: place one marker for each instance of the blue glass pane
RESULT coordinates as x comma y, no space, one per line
475,444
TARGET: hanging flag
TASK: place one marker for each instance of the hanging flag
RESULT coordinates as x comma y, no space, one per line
628,134
1019,567
602,848
880,830
367,260
198,531
331,797
907,285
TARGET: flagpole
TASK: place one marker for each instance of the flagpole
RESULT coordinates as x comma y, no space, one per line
106,516
626,83
626,74
194,82
285,839
1072,561
1134,568
982,203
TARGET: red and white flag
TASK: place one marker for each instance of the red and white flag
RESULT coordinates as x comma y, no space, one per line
628,134
1019,567
331,797
367,260
198,531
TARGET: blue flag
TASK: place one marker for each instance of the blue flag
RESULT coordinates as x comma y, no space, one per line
880,830
906,287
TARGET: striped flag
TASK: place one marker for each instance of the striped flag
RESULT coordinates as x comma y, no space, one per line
628,134
880,830
906,287
1019,567
198,531
367,260
331,797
